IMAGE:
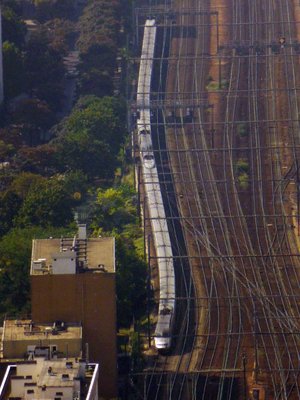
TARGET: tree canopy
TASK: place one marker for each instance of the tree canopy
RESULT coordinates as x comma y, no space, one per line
51,169
12,69
50,9
115,208
14,29
98,40
115,214
47,204
90,138
44,70
131,282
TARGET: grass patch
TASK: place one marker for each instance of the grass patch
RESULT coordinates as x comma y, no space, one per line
241,166
214,85
243,180
242,130
128,177
242,172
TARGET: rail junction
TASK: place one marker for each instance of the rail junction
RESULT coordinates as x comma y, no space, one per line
225,130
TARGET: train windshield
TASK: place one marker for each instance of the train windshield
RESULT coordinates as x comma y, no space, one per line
148,157
165,311
144,132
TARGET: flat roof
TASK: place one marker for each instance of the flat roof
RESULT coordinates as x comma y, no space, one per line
59,369
41,375
99,251
26,330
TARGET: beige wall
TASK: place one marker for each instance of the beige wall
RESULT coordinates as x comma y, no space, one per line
17,348
88,298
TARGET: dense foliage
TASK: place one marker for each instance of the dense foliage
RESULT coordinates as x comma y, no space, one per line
14,28
53,163
98,43
50,9
90,138
115,214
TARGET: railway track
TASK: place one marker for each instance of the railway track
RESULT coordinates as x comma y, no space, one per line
238,242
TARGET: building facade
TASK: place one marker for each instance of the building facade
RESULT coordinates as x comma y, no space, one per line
73,279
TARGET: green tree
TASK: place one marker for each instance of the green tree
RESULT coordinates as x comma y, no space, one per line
101,118
95,82
89,139
98,24
76,184
35,117
10,204
14,29
12,70
81,152
46,204
23,182
44,70
14,5
98,43
101,56
49,9
61,34
115,214
12,134
6,150
115,208
40,159
131,282
14,272
34,112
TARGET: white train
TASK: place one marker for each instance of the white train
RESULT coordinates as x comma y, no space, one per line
162,242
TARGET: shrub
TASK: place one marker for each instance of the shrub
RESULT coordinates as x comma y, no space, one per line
242,130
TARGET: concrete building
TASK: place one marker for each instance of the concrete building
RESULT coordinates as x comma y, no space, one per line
58,379
73,279
26,339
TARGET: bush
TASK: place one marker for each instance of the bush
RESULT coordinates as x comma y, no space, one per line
214,85
241,166
242,130
243,180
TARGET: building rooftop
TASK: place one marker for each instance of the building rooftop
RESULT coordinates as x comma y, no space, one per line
73,255
27,330
48,379
57,373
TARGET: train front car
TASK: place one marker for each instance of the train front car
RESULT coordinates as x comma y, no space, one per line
164,329
163,335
